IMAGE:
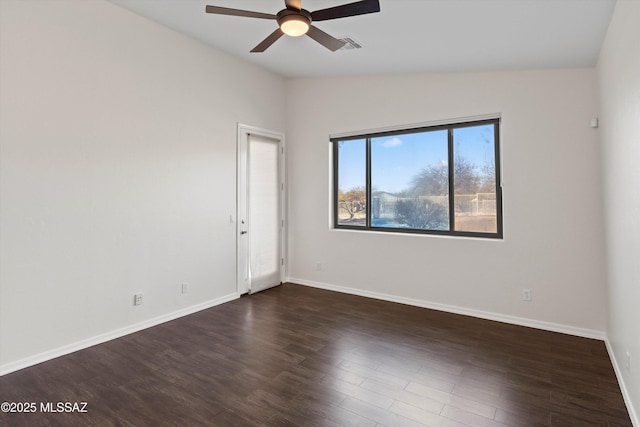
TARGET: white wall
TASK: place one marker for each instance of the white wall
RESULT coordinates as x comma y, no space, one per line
619,83
552,213
117,157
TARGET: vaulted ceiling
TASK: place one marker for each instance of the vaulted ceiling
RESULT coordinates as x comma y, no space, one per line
407,36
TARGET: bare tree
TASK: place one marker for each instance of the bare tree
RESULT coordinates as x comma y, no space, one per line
353,201
422,214
434,180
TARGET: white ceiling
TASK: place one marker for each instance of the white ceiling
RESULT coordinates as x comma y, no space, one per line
406,36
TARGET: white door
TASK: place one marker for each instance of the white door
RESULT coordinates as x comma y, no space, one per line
260,209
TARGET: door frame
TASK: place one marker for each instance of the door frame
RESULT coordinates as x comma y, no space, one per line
241,174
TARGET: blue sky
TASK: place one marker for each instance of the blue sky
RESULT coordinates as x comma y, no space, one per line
395,160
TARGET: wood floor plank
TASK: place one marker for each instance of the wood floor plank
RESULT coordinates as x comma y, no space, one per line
299,356
405,396
370,397
377,414
469,418
454,400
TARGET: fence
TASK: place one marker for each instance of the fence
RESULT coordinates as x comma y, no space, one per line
384,205
476,204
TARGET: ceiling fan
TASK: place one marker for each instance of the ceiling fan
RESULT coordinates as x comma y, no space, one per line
295,21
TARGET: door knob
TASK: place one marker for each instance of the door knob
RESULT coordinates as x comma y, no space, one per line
243,232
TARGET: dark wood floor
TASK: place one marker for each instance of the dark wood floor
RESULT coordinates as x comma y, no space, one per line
295,355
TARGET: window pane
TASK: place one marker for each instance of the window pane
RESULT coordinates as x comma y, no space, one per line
352,181
409,180
474,178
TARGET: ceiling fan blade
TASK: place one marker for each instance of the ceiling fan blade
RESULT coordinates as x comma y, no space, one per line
271,39
325,39
293,4
237,12
346,10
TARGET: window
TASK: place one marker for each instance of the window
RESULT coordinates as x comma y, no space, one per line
435,180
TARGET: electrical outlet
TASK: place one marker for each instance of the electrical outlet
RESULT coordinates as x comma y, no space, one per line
137,299
319,266
526,295
627,361
185,287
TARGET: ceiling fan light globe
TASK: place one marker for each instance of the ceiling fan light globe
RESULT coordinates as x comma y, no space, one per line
294,25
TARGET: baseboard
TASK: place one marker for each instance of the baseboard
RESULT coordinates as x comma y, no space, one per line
108,336
521,321
623,388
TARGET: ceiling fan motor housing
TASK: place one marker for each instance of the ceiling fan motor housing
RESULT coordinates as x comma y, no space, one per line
300,20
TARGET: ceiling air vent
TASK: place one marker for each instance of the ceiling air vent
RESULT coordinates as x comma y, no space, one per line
350,44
